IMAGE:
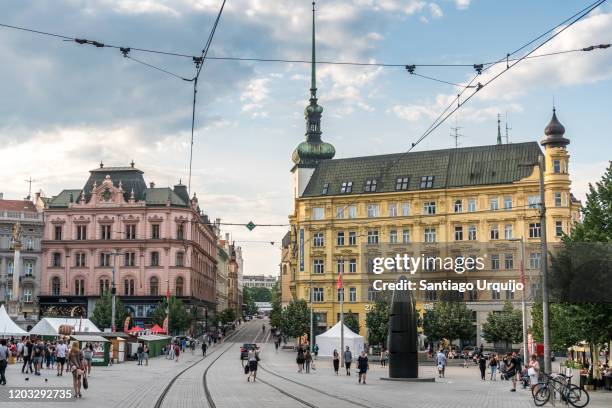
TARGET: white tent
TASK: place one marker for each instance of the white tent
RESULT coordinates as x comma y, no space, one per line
49,326
8,327
330,340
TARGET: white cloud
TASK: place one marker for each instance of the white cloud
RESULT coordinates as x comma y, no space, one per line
435,10
255,94
462,4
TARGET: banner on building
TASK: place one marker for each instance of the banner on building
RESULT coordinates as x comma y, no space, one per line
301,250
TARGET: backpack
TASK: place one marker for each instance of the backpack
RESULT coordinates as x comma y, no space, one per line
246,369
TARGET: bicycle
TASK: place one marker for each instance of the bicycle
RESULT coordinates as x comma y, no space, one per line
561,385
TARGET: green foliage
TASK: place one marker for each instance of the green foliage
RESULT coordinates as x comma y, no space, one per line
352,321
101,315
448,320
249,300
227,316
180,318
377,322
258,294
276,314
505,326
296,319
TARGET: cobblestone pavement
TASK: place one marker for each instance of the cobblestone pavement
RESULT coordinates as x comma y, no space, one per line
132,386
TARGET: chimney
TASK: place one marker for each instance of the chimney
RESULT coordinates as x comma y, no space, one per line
152,184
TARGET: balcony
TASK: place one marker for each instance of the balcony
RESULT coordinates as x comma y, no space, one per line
20,216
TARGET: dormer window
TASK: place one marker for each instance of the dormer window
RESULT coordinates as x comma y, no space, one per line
346,187
370,186
427,181
557,166
313,127
325,189
401,183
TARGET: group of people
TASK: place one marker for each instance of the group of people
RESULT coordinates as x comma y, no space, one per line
305,362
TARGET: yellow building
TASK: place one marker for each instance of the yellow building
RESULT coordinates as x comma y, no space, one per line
473,200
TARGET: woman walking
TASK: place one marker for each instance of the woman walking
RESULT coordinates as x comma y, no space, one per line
87,357
307,360
75,361
253,357
533,370
300,359
336,361
27,364
145,354
493,365
362,366
383,357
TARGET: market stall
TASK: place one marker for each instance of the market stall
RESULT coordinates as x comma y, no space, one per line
100,347
155,343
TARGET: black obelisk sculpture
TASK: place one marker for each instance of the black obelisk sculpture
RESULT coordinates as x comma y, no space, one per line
403,356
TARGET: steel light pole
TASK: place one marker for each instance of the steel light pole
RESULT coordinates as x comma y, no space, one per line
523,304
113,291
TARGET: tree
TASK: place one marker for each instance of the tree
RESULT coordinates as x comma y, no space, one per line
102,312
505,326
259,294
249,301
377,322
276,315
352,321
295,320
448,320
227,316
180,318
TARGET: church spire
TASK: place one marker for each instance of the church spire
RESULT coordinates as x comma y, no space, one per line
313,72
499,138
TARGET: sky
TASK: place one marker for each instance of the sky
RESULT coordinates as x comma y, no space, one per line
65,107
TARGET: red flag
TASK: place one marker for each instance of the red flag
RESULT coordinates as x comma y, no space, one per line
340,280
165,325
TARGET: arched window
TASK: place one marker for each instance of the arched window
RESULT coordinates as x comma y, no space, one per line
153,286
179,286
55,286
180,257
128,287
104,285
79,287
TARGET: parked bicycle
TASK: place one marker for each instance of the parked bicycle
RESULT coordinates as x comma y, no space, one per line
559,386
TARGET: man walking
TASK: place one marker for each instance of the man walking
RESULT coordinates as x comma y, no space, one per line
60,351
348,359
3,361
441,362
204,347
514,368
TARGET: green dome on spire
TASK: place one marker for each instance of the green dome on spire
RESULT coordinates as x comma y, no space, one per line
312,153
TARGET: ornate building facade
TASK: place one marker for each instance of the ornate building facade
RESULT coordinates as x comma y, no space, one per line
149,240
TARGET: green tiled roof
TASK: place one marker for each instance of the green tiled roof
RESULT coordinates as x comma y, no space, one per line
159,196
451,168
130,178
63,198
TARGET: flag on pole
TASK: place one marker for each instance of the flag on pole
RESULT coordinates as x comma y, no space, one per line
165,325
340,280
523,273
168,293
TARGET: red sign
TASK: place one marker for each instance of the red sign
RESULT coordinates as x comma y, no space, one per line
126,324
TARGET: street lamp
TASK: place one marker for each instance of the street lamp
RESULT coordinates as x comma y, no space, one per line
523,305
113,291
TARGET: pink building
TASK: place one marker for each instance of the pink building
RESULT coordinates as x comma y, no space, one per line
154,239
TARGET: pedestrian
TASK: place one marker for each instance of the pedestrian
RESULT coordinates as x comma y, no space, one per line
145,354
441,363
110,354
513,369
307,360
253,358
60,350
140,353
465,357
315,351
533,370
75,361
493,365
87,357
482,364
4,353
348,359
362,366
336,361
383,357
20,351
204,347
53,355
300,359
39,352
47,353
177,352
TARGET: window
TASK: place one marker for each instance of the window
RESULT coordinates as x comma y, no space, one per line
318,213
431,295
128,287
29,244
55,286
406,236
494,231
471,204
509,294
535,260
557,199
508,231
79,287
325,189
340,266
57,260
429,207
318,266
27,295
339,212
509,261
401,183
178,286
393,210
352,211
430,234
153,286
352,294
352,238
459,233
533,201
340,294
105,231
104,285
393,236
557,166
405,209
10,268
180,256
79,259
155,231
318,239
370,186
507,203
427,182
458,206
180,231
494,204
346,187
495,295
105,259
129,258
29,268
353,265
340,239
154,258
317,294
534,230
373,237
372,294
472,233
558,228
373,210
58,233
495,262
130,231
81,232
